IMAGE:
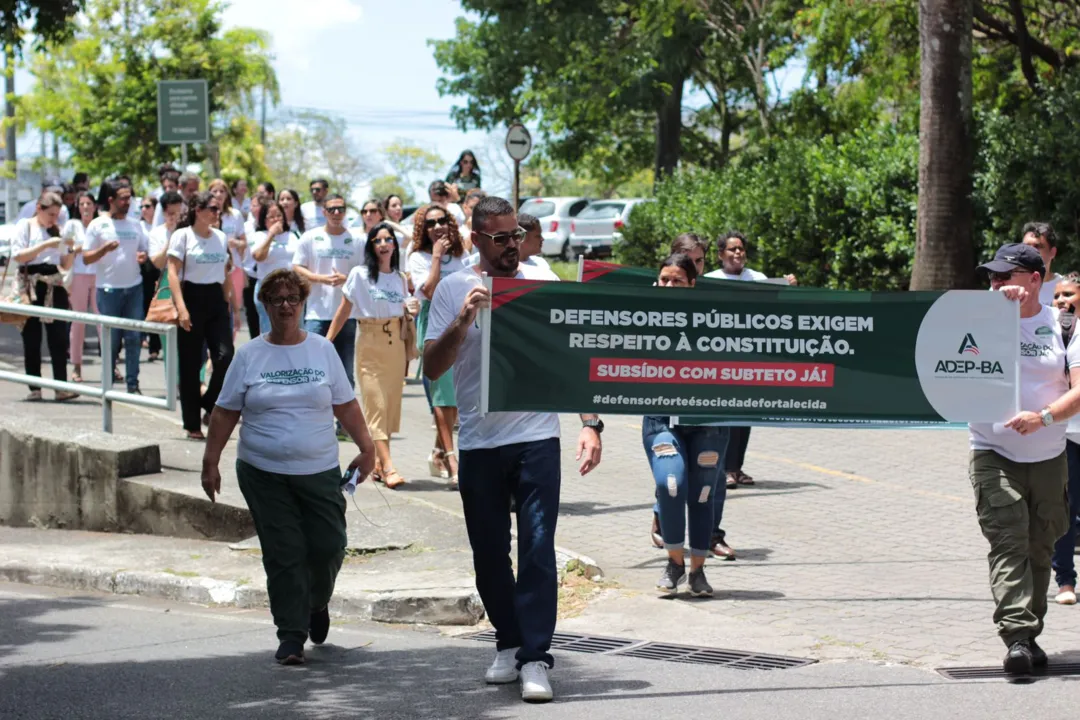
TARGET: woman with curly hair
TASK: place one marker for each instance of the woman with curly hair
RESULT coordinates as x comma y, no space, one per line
436,252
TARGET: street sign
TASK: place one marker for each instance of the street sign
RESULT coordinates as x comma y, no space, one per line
518,142
183,112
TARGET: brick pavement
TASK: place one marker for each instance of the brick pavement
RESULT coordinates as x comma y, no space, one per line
853,544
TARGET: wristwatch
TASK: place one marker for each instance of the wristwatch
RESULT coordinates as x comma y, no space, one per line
597,425
1047,416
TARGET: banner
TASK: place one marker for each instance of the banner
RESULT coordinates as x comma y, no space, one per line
771,356
597,271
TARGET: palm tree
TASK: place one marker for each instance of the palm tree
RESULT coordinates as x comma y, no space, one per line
944,254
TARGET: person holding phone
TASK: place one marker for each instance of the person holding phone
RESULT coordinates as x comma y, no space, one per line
41,255
288,385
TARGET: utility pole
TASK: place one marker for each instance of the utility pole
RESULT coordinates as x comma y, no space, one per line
262,130
10,161
56,154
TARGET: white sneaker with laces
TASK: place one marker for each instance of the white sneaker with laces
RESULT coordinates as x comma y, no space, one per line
1065,597
534,682
504,669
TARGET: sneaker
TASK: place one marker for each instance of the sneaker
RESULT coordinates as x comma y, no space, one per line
535,686
34,396
699,586
1038,655
290,652
1066,595
670,579
504,668
1019,660
319,625
721,549
134,390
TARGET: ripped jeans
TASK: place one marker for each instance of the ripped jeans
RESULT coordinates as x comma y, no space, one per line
687,464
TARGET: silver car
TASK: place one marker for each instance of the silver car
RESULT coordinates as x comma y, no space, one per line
555,214
6,232
593,231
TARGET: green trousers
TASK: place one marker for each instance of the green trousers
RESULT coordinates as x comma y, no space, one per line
1022,512
300,520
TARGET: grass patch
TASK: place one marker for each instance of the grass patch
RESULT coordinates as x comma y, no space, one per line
181,573
565,270
576,590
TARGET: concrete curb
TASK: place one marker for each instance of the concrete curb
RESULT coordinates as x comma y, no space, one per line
449,606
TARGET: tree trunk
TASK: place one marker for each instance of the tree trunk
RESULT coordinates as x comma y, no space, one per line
669,130
944,253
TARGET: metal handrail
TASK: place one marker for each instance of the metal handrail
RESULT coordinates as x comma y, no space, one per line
105,392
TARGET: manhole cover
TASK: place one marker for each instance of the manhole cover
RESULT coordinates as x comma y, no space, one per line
996,673
598,645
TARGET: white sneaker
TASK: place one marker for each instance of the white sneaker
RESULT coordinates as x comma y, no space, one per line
1065,597
534,682
504,669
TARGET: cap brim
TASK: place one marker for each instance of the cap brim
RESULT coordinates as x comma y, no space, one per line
998,266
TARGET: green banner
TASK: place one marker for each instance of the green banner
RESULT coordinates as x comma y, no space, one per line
183,113
596,271
770,355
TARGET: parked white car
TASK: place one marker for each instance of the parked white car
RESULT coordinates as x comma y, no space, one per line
593,231
555,215
6,232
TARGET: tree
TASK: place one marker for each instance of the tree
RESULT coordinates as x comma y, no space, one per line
944,254
413,166
50,20
386,185
309,145
98,93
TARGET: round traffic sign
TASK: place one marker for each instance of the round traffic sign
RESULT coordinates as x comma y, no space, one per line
518,142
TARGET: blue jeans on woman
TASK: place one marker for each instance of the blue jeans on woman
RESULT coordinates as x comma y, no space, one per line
687,464
1062,561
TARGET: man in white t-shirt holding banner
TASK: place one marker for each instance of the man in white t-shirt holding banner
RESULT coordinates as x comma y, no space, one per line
324,257
1018,469
504,456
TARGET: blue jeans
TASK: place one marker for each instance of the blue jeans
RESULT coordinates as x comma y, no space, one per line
344,343
686,463
124,303
1062,561
523,611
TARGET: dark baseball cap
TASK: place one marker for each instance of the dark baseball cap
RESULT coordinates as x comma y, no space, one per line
1015,256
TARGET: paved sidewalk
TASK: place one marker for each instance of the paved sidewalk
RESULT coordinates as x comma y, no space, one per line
854,543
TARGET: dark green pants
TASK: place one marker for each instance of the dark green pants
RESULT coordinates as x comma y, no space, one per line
1022,512
300,520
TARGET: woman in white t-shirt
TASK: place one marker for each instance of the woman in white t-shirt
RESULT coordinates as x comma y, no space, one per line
288,386
377,294
273,246
83,294
437,252
41,253
198,265
733,248
232,224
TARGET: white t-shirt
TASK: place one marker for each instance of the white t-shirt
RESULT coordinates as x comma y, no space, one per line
420,268
493,429
384,299
29,234
1043,379
543,268
314,217
118,269
159,239
75,230
29,209
286,396
747,274
232,224
282,249
1046,293
323,253
244,206
204,258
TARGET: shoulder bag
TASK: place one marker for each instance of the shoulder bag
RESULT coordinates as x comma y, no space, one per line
408,327
162,308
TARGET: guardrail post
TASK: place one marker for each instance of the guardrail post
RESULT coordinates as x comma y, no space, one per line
105,343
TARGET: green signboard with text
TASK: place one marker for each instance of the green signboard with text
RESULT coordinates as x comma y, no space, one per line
183,112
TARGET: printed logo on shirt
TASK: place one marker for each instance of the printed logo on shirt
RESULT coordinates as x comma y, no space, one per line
390,296
1034,350
208,258
298,376
1044,330
334,253
968,345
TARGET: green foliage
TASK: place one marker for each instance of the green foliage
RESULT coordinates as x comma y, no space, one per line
46,20
837,214
313,145
386,185
98,92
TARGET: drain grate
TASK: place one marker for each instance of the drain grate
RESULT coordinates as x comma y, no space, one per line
598,645
996,673
734,659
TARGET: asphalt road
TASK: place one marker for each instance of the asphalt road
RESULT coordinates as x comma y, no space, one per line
67,656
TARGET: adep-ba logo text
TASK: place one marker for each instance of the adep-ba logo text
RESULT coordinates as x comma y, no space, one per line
968,346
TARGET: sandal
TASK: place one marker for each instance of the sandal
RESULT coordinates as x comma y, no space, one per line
64,396
732,481
436,466
453,485
76,377
393,479
197,435
34,396
117,377
743,479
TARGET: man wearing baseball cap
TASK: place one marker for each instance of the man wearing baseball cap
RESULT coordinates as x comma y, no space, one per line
1018,469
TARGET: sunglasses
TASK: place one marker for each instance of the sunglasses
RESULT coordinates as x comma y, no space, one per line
502,239
147,207
444,220
1006,276
336,210
382,241
212,208
369,211
317,189
279,300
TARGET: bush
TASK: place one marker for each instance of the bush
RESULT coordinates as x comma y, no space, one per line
839,215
